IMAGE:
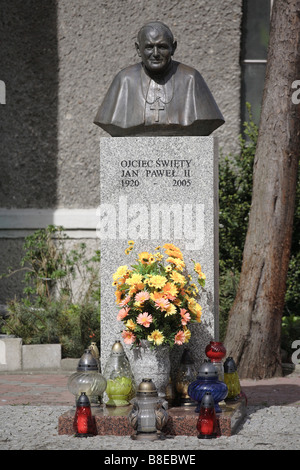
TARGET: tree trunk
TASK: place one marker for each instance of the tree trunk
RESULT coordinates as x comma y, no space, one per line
254,325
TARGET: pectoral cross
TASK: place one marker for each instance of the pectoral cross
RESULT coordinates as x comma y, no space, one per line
157,107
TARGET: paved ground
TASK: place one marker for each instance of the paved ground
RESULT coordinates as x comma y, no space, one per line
31,403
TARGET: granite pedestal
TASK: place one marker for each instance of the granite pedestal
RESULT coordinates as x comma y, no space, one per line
157,190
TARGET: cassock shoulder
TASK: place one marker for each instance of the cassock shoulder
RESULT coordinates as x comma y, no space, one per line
204,103
115,105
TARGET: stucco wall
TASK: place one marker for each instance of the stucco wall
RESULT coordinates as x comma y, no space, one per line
58,59
96,40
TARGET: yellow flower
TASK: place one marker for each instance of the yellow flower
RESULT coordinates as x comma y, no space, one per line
195,289
168,268
198,311
146,258
171,310
157,337
191,304
135,288
179,264
178,278
130,325
121,271
130,242
134,279
187,334
157,281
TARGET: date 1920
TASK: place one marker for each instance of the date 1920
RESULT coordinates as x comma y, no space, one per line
130,183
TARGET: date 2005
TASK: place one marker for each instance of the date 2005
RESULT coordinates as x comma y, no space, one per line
135,183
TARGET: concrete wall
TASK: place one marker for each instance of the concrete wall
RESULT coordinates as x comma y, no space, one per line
15,356
57,61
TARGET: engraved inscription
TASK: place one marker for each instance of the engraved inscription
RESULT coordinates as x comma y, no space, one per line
179,171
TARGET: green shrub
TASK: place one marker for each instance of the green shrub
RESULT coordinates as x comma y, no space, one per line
235,192
61,302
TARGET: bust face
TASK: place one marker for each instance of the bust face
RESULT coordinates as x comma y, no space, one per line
155,49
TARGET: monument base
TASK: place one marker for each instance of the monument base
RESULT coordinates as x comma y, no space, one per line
182,421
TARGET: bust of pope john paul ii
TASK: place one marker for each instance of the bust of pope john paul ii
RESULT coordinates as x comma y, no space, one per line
158,96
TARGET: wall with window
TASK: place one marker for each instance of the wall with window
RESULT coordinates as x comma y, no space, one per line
254,48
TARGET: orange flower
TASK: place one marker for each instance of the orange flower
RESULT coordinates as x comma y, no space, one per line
170,290
179,338
123,313
125,301
155,296
128,337
142,296
162,303
197,268
186,317
174,253
118,295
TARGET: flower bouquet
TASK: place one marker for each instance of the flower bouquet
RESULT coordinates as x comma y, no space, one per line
158,300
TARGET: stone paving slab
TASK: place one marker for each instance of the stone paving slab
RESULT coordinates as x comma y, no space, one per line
43,398
51,389
275,391
35,389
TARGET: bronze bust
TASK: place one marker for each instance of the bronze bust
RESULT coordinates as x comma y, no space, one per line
159,96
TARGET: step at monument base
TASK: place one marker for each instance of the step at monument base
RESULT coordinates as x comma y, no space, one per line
182,420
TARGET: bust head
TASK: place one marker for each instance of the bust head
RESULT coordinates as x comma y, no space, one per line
156,46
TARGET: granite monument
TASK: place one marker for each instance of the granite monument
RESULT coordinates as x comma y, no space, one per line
159,175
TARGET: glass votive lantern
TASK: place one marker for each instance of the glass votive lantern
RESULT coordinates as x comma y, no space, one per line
87,379
120,380
149,412
84,423
95,352
186,374
231,378
216,351
207,420
207,381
